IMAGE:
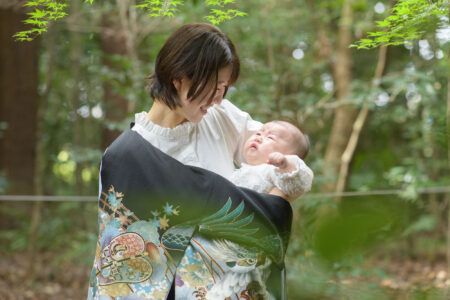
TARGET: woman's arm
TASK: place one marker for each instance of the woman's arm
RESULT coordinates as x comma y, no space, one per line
236,127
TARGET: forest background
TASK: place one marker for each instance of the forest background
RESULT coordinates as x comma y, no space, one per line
376,224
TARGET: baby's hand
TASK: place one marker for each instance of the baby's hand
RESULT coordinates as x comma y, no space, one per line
279,160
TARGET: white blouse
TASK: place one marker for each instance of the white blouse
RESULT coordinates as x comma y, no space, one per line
215,143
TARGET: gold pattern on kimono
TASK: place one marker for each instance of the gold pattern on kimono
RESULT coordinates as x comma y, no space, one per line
159,294
116,289
195,275
163,222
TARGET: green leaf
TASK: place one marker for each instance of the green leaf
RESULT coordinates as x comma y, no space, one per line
31,3
384,23
424,223
406,22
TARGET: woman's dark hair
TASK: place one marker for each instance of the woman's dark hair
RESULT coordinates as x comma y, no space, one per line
197,51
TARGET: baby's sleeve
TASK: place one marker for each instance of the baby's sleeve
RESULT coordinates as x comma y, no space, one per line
295,183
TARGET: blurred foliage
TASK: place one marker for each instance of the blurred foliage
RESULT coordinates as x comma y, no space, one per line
284,75
410,20
3,183
56,234
46,11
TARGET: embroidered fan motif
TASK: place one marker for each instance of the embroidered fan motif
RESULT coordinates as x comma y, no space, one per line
132,256
141,256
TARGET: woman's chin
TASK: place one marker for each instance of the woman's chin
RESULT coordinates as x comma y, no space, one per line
196,120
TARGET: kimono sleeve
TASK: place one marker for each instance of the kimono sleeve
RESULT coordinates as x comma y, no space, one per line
151,205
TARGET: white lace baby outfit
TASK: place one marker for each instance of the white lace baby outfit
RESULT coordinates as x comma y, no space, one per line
264,177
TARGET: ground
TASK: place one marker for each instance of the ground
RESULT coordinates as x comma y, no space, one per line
70,281
64,281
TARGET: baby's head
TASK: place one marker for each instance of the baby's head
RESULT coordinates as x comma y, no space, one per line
275,136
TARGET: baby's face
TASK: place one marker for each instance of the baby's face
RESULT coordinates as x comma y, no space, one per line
273,137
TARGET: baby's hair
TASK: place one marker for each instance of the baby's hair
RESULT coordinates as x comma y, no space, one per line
306,147
302,143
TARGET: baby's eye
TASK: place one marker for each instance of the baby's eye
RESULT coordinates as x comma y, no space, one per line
270,137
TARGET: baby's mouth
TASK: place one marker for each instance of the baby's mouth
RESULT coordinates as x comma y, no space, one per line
203,110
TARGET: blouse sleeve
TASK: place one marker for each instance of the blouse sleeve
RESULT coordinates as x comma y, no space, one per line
238,126
295,183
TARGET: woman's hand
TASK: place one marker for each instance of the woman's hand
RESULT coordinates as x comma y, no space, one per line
277,192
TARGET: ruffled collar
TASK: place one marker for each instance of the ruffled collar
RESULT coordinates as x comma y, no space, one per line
179,131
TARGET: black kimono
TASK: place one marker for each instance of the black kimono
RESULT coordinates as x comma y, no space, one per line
171,231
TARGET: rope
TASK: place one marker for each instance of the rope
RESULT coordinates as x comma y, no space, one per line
430,190
30,198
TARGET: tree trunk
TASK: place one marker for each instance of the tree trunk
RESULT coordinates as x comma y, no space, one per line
18,108
75,55
448,154
113,41
122,32
347,156
77,133
40,161
344,115
18,102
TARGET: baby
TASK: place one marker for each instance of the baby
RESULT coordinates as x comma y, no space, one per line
275,164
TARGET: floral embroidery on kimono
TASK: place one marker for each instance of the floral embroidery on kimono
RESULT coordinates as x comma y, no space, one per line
134,256
222,270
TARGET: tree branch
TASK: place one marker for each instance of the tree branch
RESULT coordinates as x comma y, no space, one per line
358,125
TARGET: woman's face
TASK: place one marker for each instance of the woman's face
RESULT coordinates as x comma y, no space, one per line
193,110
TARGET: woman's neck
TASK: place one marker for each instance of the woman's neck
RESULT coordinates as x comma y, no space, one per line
163,116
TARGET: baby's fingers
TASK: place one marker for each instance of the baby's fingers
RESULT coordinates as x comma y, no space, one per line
277,159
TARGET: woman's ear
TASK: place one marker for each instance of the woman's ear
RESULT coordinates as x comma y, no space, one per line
177,84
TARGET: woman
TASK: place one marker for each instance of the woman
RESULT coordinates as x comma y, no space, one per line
193,71
197,222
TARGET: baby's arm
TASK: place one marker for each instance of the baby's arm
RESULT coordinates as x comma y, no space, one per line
292,177
281,162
